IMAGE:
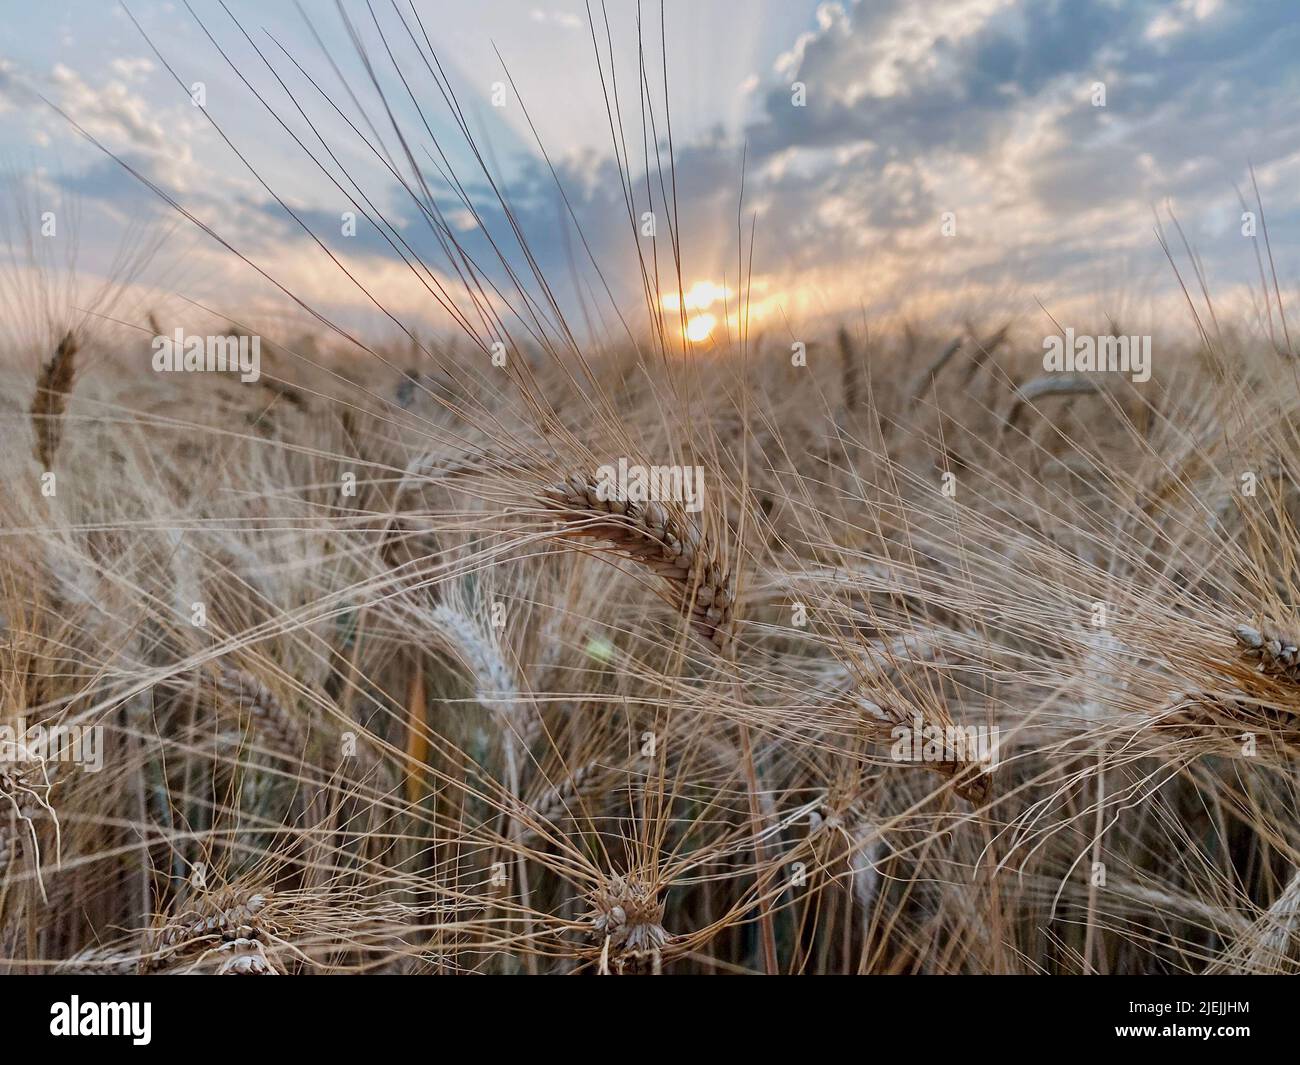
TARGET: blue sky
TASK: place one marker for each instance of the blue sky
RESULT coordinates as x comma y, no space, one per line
979,112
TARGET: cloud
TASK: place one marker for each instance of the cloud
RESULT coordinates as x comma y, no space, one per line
978,108
109,111
983,108
132,69
564,19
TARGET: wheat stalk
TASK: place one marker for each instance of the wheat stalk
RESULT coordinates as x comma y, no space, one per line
24,796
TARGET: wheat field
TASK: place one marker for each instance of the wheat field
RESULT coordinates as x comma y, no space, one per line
952,666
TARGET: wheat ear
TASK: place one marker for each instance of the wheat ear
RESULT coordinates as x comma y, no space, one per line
932,372
670,544
1271,944
496,688
626,917
221,918
1276,656
971,780
850,370
268,716
1070,384
53,385
100,961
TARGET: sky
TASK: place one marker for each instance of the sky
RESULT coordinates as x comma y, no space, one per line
898,158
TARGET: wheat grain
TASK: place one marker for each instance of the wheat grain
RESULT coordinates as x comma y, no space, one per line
244,957
1275,655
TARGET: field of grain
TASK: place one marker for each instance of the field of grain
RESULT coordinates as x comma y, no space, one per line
382,686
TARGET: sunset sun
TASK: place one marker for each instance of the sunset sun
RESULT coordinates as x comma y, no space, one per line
696,301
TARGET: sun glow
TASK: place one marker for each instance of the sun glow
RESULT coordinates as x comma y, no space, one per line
700,328
699,297
696,301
